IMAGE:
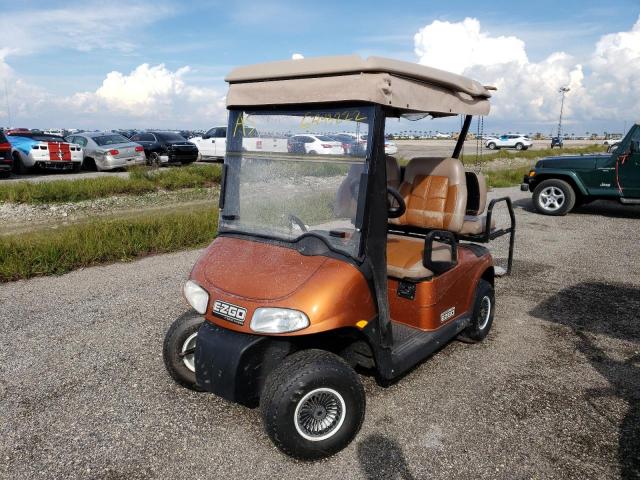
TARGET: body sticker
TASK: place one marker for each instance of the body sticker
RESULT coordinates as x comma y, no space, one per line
230,312
447,314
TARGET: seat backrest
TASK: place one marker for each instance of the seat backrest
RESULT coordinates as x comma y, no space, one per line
476,193
435,193
393,172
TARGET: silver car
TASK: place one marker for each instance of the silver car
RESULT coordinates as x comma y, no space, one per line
108,150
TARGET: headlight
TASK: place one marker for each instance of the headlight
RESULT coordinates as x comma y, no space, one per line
278,320
197,296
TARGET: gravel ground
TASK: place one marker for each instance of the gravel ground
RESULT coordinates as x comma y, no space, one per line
19,217
553,392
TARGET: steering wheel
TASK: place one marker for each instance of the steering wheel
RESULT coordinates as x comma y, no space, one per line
296,221
395,212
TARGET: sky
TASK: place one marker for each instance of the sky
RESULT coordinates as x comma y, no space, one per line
102,64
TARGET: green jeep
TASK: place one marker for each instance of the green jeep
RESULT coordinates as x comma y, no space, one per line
560,183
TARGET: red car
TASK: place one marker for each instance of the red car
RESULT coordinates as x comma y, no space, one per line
5,156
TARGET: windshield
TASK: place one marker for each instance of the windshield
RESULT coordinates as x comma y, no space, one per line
287,184
171,137
110,140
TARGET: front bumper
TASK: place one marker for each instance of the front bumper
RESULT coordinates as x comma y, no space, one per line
524,186
234,365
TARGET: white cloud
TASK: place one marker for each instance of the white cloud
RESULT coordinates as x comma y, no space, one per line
149,96
466,46
297,56
604,85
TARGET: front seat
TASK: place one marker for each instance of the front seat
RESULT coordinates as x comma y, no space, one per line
435,193
346,204
475,221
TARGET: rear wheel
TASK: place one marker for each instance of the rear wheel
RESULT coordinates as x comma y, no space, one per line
312,404
18,165
482,316
179,347
519,146
554,197
153,159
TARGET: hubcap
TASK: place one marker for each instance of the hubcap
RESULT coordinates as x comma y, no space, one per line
485,312
552,198
189,359
319,414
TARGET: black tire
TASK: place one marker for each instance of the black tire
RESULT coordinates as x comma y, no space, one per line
175,341
90,164
316,373
153,159
519,146
566,192
18,165
491,146
482,316
313,152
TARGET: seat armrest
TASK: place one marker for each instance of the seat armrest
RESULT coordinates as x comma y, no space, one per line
442,236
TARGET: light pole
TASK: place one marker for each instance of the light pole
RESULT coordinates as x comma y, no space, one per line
562,90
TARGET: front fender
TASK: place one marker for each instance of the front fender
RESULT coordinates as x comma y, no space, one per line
567,175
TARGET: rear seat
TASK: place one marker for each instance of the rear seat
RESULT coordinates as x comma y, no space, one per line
474,220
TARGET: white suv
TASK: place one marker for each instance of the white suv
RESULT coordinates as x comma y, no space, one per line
519,142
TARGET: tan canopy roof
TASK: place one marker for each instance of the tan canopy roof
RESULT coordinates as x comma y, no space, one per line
404,86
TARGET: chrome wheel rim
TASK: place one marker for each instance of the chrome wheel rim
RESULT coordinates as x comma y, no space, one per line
319,414
485,312
189,359
552,198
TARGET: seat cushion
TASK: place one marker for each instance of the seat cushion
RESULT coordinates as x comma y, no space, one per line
475,225
404,257
434,191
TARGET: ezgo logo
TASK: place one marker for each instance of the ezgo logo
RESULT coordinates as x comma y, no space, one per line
230,312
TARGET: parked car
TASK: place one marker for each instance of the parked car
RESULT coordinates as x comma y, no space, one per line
519,142
613,145
6,161
166,147
16,131
557,142
108,151
49,152
560,183
350,139
213,144
350,143
314,145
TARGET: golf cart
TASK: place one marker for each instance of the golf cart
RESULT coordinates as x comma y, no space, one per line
334,260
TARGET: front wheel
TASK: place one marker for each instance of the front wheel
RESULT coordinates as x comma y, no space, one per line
482,316
312,404
554,197
492,146
178,350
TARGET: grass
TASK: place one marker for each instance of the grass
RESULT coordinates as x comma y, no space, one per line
470,157
141,180
54,252
505,177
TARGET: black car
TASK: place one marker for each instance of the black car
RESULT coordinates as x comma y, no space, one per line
556,142
166,147
6,161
